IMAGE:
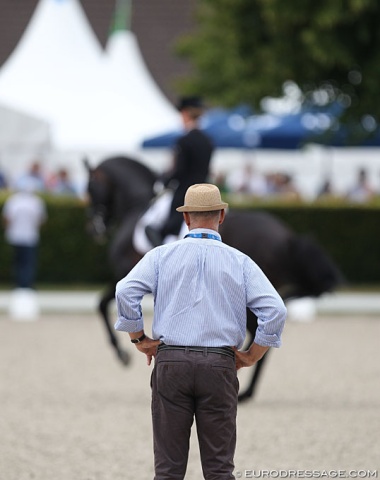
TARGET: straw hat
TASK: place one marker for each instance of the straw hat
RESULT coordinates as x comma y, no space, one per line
202,197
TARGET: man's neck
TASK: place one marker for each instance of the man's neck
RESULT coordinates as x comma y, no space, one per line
204,226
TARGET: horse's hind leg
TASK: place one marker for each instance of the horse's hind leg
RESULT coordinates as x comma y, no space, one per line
250,391
257,369
103,307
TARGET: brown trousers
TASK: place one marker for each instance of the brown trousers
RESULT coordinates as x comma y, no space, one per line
187,385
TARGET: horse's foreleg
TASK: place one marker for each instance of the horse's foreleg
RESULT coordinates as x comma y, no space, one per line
103,307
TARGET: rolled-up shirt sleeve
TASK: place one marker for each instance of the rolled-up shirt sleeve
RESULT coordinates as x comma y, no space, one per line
269,308
130,291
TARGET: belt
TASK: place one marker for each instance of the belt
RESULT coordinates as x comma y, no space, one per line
228,351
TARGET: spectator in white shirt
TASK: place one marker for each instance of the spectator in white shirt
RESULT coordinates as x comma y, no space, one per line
23,214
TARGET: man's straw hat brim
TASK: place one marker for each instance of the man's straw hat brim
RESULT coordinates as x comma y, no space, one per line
202,197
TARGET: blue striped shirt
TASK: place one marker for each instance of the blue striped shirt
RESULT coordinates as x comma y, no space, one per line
201,288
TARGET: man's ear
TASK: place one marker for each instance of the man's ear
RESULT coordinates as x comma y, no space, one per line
222,216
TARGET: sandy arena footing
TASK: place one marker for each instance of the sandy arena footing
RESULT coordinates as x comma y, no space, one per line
71,411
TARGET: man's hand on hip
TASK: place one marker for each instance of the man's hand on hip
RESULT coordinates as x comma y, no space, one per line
149,347
251,356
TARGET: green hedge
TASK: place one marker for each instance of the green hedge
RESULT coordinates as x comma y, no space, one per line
67,255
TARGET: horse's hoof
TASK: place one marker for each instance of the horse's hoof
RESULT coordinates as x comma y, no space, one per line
244,397
124,357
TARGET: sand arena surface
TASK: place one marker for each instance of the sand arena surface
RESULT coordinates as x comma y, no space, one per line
70,411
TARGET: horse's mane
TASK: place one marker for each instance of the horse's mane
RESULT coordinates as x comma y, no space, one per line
120,168
130,182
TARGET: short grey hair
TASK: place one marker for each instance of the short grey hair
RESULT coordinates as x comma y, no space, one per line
212,214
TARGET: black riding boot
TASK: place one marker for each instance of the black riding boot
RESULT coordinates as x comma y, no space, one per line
153,235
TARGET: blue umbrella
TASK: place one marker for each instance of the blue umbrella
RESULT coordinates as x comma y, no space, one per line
239,128
236,129
224,127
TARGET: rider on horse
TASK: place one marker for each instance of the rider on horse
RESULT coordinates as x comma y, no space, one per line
192,156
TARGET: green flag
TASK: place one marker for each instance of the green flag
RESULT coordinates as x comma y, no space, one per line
122,16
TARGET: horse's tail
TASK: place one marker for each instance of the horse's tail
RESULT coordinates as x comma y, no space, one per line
314,270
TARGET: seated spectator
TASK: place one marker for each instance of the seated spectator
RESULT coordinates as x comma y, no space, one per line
282,185
219,179
361,191
247,180
327,190
287,187
32,180
61,184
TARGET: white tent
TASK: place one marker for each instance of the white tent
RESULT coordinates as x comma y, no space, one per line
50,71
21,132
131,80
60,73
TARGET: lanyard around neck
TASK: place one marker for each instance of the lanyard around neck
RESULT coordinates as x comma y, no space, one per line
203,235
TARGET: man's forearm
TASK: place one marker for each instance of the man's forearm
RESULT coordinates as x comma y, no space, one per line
256,352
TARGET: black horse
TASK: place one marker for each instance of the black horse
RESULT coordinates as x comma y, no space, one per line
120,190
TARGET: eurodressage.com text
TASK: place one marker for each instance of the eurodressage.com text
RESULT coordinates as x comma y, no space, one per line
306,474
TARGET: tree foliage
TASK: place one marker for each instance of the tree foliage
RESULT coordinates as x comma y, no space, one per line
245,50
